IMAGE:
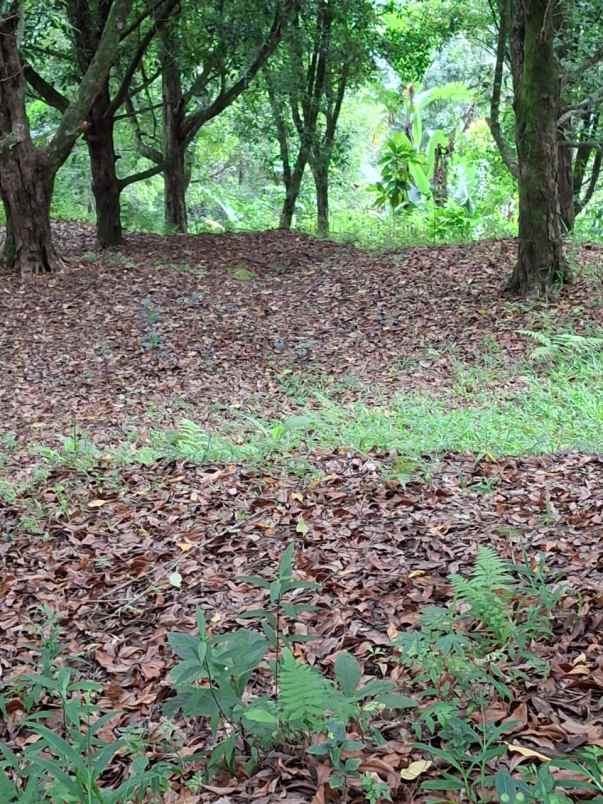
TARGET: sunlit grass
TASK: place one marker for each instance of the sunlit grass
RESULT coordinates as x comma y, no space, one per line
560,411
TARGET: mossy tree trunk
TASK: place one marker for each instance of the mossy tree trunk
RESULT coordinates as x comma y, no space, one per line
8,253
541,265
27,173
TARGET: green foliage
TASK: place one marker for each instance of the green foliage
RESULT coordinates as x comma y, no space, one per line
487,594
67,764
400,164
78,452
408,161
464,651
415,30
468,751
151,320
304,695
540,786
216,677
563,345
305,702
374,789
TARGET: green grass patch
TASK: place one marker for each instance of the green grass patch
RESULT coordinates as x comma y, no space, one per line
560,411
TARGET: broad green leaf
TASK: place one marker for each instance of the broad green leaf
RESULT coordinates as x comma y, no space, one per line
61,747
184,645
347,672
420,179
261,716
394,700
285,567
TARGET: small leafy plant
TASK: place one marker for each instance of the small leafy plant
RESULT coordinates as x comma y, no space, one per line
151,318
214,678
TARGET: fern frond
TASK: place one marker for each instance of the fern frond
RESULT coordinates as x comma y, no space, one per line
491,571
304,694
562,344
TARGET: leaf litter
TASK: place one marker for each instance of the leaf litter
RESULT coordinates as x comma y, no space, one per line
135,550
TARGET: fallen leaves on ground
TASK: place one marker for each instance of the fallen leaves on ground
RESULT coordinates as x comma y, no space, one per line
379,550
126,555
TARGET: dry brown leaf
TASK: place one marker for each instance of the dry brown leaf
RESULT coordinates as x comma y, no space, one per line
415,769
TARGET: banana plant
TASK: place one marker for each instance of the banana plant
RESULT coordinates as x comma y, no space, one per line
408,161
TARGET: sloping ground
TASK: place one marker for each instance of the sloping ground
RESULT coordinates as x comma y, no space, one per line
379,550
229,317
205,327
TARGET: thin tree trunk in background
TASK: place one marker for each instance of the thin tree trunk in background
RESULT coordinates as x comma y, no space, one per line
541,264
176,175
566,187
176,178
321,183
443,157
105,182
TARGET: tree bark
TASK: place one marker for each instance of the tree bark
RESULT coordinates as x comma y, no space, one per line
176,178
26,177
9,249
566,187
105,182
27,174
541,264
292,188
321,183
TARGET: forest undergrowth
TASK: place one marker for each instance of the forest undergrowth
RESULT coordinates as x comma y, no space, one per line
300,522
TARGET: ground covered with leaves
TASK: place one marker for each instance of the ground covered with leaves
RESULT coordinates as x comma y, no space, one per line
213,328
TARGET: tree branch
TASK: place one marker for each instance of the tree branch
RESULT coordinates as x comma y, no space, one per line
592,185
121,93
46,91
194,121
106,53
493,121
143,174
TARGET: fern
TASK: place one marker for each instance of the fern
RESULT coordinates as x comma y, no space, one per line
304,694
487,593
563,344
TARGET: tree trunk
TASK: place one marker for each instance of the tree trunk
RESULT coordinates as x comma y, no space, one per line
541,264
321,183
106,187
288,208
26,177
292,188
9,248
26,183
176,178
566,187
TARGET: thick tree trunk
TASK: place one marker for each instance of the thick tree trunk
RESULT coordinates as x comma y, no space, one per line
321,183
541,265
26,176
26,183
176,178
106,187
